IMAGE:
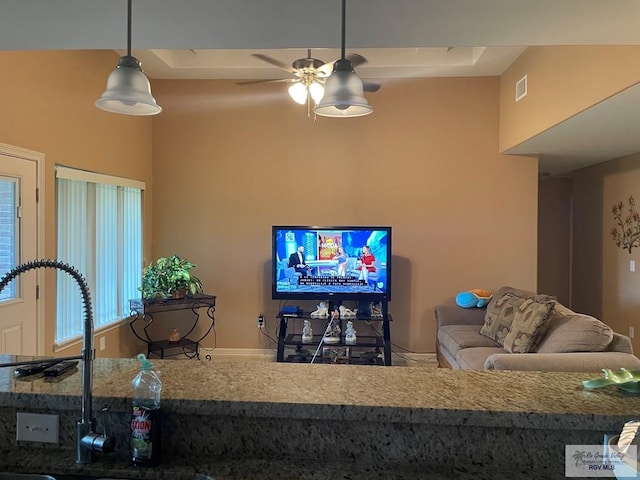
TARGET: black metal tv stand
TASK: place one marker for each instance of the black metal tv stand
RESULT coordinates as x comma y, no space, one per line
372,347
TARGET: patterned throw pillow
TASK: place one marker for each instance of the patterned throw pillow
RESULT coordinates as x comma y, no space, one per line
501,313
529,323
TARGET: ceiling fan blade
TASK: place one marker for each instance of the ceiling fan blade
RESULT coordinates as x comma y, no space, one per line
356,59
370,87
273,61
252,82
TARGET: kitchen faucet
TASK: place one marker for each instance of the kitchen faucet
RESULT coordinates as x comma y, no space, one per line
87,440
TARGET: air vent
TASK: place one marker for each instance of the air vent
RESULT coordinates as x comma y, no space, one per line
521,88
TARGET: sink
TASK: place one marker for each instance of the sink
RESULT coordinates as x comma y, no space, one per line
24,476
36,476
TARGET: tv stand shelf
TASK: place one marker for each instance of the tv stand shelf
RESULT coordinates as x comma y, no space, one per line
368,350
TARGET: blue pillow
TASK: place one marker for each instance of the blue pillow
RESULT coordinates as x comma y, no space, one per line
471,300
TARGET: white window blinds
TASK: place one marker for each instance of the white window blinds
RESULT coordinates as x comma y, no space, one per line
100,234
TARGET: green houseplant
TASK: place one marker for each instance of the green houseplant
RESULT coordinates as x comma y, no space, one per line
169,277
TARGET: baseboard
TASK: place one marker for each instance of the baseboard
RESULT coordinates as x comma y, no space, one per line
422,358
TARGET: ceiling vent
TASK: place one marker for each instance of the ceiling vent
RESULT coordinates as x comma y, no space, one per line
521,88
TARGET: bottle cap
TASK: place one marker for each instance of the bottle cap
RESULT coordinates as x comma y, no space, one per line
145,364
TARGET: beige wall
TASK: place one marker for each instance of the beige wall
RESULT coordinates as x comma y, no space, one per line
231,161
426,162
554,238
47,106
603,285
562,81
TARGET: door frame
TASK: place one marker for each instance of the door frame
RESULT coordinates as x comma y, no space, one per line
39,159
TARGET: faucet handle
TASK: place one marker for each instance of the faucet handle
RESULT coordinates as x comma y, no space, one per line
105,421
100,443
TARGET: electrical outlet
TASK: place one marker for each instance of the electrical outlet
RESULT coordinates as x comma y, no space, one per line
632,332
103,343
37,427
260,321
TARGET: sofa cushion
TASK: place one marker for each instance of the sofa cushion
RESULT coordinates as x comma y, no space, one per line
501,312
474,358
456,337
529,322
575,332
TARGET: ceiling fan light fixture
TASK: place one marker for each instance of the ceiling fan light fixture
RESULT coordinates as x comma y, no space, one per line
128,90
316,90
298,92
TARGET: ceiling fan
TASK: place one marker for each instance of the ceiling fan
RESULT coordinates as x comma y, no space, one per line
309,75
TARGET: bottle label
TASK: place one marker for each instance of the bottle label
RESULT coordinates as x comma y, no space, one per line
144,432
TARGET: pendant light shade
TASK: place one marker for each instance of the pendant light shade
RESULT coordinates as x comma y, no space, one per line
128,90
343,94
343,90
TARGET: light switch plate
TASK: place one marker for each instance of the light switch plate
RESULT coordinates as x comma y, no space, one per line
37,427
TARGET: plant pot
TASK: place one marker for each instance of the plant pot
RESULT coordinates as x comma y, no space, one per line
181,293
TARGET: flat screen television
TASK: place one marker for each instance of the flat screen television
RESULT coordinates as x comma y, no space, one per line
331,263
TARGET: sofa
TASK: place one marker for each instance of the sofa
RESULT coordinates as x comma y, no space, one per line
523,330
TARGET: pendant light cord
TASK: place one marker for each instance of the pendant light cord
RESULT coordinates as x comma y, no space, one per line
344,28
129,28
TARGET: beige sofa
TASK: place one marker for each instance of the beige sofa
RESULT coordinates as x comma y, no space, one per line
521,330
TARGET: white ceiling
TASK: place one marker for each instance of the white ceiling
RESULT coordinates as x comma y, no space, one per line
411,38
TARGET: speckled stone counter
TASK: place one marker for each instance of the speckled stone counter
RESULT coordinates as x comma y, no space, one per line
237,420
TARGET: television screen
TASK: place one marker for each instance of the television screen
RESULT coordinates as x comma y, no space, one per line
352,263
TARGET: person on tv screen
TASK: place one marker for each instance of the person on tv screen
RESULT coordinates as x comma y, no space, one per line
296,260
365,263
341,257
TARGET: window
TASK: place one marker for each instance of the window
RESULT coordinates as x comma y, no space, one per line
100,234
8,233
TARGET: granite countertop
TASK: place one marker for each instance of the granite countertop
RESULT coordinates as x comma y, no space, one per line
398,394
395,395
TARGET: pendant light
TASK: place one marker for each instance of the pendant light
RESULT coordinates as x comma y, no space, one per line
128,91
343,90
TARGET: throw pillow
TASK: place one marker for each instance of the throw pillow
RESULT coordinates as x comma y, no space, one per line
529,322
502,310
497,320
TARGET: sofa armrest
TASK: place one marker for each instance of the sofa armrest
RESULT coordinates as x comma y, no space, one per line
620,343
562,362
455,315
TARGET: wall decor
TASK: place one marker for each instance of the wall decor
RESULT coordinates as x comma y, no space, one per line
626,233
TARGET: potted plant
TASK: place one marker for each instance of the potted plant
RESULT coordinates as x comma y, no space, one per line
170,277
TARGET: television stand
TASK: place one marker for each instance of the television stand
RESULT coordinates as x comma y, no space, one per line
372,347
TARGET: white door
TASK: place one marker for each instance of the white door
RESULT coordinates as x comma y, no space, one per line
18,243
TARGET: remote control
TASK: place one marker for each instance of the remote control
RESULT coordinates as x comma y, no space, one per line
59,368
33,368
